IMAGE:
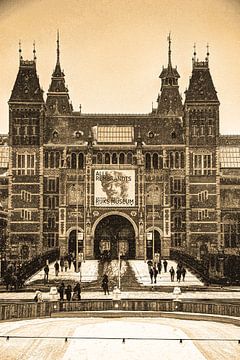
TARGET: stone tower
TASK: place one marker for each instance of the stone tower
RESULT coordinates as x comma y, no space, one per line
26,117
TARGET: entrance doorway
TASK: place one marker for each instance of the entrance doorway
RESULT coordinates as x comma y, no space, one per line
114,234
72,243
157,244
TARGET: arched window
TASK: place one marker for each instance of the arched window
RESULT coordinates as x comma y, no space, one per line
182,159
80,161
114,158
73,161
160,162
148,161
99,158
129,158
57,159
155,161
177,222
46,163
171,160
177,160
52,160
107,158
121,158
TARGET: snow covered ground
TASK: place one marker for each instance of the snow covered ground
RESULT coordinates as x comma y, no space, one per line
141,271
98,349
89,272
155,294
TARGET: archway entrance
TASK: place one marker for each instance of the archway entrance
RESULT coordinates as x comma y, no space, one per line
72,243
114,233
150,251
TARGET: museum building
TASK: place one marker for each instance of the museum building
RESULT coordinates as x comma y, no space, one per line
138,184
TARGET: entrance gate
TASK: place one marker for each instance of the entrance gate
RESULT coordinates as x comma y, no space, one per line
114,234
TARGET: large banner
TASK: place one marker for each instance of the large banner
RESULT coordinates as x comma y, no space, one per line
114,188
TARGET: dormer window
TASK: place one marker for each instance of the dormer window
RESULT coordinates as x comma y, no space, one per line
78,134
151,134
55,134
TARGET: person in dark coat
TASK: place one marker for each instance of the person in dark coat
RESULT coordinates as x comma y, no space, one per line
151,274
77,291
183,271
61,264
69,260
75,264
155,272
172,273
105,284
46,271
68,292
61,291
56,267
179,273
165,264
159,266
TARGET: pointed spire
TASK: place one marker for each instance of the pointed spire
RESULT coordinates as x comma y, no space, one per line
58,51
20,50
169,50
34,52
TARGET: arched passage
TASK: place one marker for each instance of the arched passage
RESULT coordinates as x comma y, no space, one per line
72,242
156,238
112,234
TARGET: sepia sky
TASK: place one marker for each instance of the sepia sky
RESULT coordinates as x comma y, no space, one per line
112,51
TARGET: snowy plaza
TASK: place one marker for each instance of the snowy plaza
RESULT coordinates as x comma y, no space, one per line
104,339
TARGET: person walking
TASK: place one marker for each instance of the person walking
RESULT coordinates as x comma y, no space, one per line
46,272
61,264
155,272
105,284
159,266
77,291
179,273
183,271
165,264
69,260
65,264
172,273
75,264
68,293
56,267
151,274
61,291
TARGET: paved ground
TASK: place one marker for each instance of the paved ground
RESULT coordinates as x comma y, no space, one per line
93,348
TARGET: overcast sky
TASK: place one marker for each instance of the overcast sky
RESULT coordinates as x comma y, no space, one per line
112,51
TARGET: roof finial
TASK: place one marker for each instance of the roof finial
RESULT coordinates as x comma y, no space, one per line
194,54
34,51
58,51
20,50
169,50
207,57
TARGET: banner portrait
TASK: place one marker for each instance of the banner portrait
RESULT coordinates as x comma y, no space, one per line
114,188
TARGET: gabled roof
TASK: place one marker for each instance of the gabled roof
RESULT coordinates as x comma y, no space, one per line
27,87
201,88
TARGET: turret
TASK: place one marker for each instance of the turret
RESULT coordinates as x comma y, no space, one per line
57,97
169,100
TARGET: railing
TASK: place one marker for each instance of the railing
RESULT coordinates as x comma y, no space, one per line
24,310
15,278
199,267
